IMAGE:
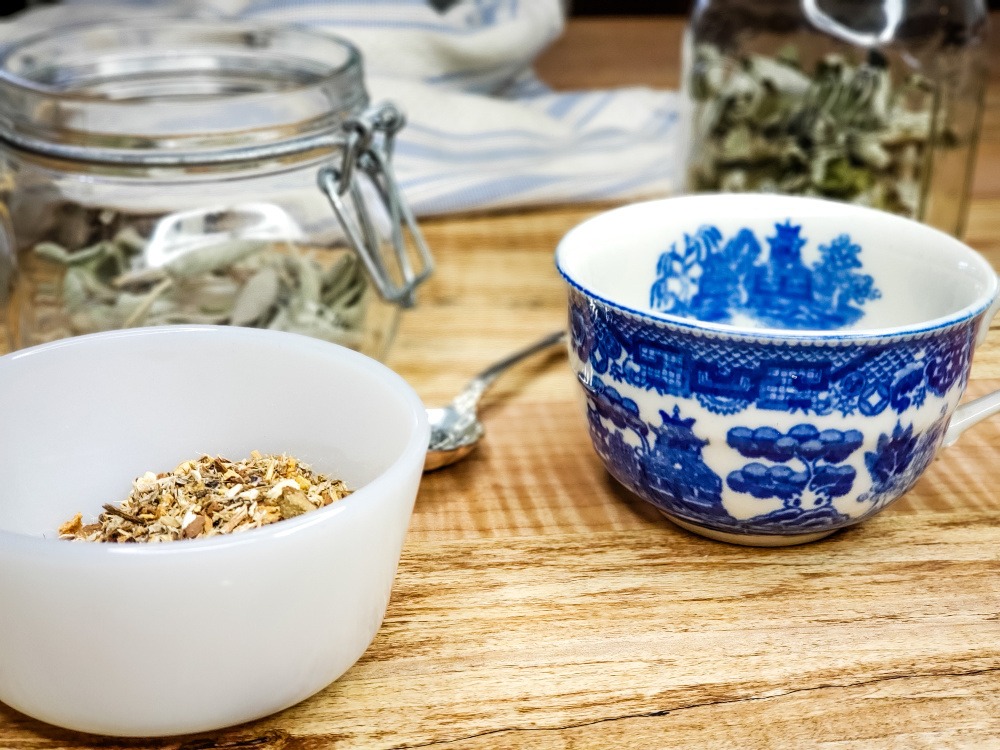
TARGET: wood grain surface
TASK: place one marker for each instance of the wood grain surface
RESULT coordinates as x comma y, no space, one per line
540,605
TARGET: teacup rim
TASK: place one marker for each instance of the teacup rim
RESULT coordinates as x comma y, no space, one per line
770,334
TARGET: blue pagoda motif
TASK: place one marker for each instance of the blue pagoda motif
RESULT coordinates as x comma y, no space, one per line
676,467
666,464
783,284
715,280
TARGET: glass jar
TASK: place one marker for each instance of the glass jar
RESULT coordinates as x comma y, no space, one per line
176,172
876,103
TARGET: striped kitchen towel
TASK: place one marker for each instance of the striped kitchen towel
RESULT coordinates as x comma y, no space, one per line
483,131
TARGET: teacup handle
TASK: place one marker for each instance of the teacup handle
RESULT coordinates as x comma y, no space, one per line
978,409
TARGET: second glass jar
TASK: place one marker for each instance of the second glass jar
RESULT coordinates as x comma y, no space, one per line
876,103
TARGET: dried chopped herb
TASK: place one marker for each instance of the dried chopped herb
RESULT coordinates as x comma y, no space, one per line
210,496
840,130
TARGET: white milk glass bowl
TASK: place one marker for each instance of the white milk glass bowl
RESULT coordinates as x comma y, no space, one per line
193,635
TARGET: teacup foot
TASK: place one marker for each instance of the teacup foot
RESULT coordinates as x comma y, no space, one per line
750,540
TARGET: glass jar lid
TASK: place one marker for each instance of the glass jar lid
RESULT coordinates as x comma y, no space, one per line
176,91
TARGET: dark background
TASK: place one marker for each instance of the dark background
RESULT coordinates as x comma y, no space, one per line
580,7
652,7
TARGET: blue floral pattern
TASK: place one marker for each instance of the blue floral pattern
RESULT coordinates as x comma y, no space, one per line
714,279
899,459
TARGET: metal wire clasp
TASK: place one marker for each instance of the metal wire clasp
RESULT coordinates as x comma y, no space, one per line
368,145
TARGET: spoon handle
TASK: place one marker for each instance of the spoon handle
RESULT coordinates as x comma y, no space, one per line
481,382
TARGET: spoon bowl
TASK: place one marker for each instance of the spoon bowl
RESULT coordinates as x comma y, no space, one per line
453,436
455,428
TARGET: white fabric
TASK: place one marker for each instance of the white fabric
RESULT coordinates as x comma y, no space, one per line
483,132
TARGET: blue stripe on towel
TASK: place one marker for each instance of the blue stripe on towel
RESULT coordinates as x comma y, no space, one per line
564,103
481,135
603,100
486,193
379,23
444,153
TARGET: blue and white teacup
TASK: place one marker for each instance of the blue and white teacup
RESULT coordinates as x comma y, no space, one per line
767,369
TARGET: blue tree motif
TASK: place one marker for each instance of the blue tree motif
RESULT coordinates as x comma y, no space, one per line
606,404
838,285
816,455
622,412
705,242
722,287
612,446
668,291
741,253
678,271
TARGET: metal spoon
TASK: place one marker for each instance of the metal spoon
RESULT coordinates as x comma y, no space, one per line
455,428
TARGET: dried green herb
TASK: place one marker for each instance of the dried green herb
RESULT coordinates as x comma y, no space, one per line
107,285
843,131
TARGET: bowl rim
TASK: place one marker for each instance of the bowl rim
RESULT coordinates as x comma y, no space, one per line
412,453
800,204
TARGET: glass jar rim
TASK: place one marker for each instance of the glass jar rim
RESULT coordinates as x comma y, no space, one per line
177,91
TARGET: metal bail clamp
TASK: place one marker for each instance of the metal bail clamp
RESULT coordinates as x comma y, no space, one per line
396,273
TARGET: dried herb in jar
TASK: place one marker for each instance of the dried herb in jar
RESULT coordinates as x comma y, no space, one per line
842,131
93,276
210,496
